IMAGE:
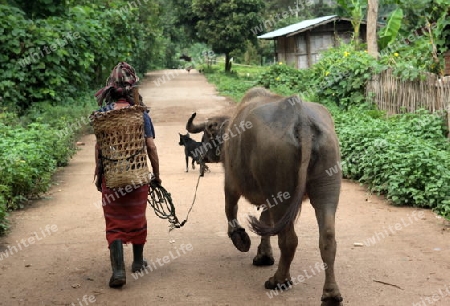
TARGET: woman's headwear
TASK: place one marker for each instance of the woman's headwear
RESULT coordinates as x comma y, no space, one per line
120,82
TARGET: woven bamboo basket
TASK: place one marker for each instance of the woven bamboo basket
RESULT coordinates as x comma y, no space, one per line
120,136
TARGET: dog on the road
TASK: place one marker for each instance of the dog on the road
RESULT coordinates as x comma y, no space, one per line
193,150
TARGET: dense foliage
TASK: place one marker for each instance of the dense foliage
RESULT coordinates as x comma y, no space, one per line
33,146
55,58
339,77
405,157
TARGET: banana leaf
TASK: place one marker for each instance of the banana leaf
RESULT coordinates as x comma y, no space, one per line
390,31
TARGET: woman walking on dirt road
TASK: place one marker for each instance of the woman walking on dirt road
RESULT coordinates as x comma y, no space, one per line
125,214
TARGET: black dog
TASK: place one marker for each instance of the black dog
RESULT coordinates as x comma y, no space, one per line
194,150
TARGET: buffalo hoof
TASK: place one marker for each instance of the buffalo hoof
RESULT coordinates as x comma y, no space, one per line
240,239
332,301
263,260
281,286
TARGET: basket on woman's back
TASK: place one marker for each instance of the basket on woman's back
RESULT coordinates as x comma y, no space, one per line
120,137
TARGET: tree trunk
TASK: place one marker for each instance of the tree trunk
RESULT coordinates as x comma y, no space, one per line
227,62
372,16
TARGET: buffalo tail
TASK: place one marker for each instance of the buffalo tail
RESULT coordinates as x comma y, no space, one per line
293,210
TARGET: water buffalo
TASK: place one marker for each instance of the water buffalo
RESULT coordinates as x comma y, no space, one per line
274,144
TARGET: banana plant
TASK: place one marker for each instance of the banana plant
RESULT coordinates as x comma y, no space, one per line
391,30
356,9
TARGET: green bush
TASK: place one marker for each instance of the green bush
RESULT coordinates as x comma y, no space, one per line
405,157
283,79
4,224
33,146
339,77
54,59
29,156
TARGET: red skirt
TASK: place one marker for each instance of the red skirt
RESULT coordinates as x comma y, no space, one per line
125,214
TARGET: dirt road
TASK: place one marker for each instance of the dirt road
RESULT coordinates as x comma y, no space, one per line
56,252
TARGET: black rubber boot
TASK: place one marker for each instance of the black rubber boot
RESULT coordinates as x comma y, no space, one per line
139,262
118,278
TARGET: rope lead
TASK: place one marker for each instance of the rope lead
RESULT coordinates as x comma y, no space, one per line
161,202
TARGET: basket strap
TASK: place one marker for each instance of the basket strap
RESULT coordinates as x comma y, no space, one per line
127,158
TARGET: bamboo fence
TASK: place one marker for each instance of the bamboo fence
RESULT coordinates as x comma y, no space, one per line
396,96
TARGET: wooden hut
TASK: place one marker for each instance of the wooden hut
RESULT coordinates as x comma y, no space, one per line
300,44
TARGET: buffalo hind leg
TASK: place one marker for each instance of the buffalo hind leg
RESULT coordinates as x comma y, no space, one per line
236,232
287,241
325,213
264,257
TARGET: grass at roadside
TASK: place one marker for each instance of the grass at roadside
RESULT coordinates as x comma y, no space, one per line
236,83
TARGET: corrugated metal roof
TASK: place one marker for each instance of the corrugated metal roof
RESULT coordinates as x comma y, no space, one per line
299,27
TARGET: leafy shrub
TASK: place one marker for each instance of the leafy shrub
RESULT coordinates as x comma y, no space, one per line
405,157
29,158
54,59
33,146
339,77
4,224
411,59
284,76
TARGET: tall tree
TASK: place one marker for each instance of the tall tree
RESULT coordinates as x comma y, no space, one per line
225,25
372,17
